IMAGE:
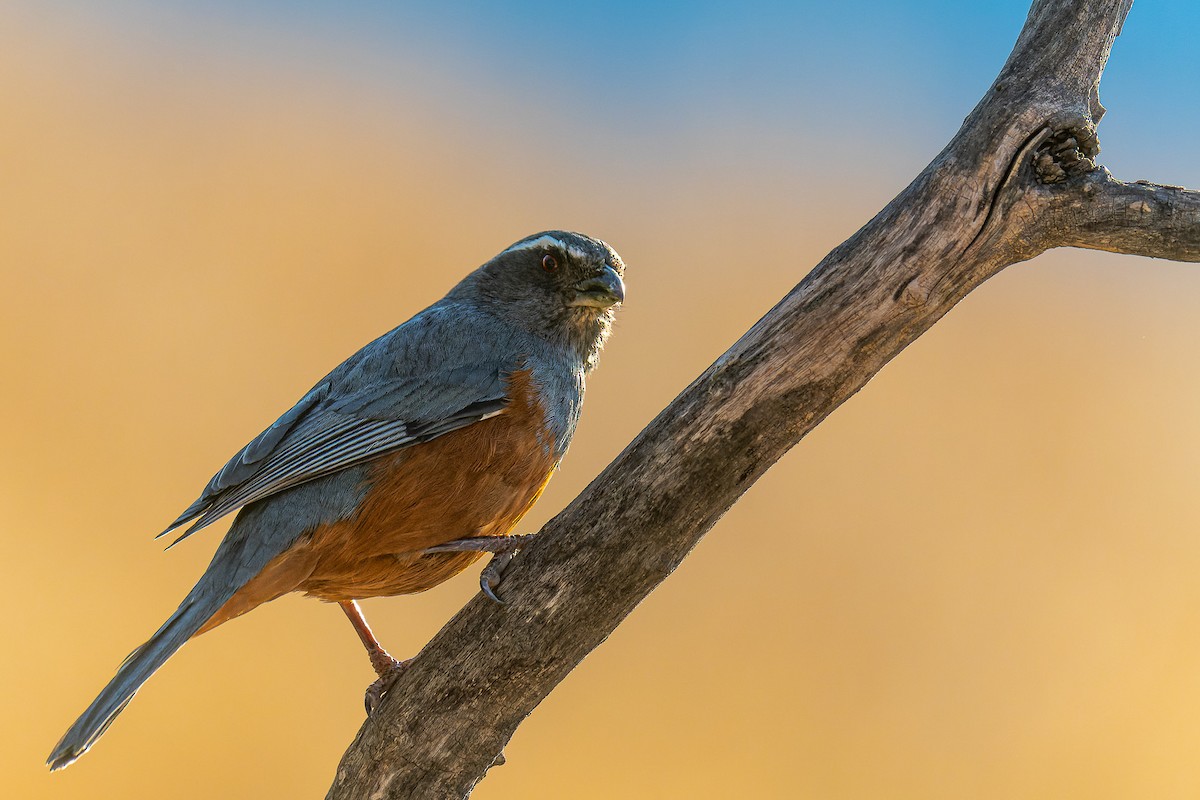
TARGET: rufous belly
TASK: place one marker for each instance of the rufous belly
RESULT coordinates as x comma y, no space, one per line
477,481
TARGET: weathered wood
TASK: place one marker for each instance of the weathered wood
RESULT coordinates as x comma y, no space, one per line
1141,218
1018,178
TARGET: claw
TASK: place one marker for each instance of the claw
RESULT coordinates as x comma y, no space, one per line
485,586
373,696
376,691
489,579
502,548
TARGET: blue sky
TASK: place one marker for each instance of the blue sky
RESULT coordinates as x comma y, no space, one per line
899,74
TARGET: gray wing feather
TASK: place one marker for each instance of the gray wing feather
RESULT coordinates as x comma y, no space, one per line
362,410
352,444
247,461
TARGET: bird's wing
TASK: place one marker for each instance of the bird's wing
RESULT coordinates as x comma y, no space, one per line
367,407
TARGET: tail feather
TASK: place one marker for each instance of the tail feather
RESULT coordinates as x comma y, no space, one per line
133,672
258,535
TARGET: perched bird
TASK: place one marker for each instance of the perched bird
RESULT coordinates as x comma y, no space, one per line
399,468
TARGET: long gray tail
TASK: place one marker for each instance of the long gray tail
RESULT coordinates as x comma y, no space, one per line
133,672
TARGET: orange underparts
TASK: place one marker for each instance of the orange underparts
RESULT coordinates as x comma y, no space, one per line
476,481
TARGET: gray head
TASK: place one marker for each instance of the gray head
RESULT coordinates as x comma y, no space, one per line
558,285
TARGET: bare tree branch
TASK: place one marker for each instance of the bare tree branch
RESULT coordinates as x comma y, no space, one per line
1142,218
1017,179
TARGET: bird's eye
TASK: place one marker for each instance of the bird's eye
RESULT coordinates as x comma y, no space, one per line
549,263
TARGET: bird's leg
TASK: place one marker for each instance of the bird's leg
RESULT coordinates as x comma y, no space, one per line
386,667
502,548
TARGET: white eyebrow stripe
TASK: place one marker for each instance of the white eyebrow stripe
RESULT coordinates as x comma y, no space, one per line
547,241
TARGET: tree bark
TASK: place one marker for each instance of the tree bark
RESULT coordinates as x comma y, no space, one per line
1017,179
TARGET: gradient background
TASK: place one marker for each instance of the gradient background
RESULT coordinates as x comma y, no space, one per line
976,579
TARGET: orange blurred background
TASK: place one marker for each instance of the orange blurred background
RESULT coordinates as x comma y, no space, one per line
976,579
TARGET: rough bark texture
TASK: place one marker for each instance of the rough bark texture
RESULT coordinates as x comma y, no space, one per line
1018,178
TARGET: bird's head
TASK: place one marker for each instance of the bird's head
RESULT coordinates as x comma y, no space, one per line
558,285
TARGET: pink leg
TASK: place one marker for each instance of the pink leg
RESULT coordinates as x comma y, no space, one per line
386,667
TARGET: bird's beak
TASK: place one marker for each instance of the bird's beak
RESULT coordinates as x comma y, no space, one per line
599,291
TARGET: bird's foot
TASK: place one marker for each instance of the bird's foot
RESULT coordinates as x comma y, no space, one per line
502,548
387,677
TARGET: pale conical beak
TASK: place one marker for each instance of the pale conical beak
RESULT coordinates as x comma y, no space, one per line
599,291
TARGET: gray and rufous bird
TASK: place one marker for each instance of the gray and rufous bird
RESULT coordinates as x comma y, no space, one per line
401,466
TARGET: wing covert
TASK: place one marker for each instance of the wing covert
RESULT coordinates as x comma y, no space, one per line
352,416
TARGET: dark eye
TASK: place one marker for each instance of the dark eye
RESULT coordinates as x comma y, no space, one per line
549,263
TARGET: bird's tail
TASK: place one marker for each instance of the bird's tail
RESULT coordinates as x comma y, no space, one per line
143,662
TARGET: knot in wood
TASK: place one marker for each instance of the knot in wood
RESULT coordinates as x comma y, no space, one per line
914,293
1068,152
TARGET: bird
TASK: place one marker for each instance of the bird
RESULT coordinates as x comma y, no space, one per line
402,466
